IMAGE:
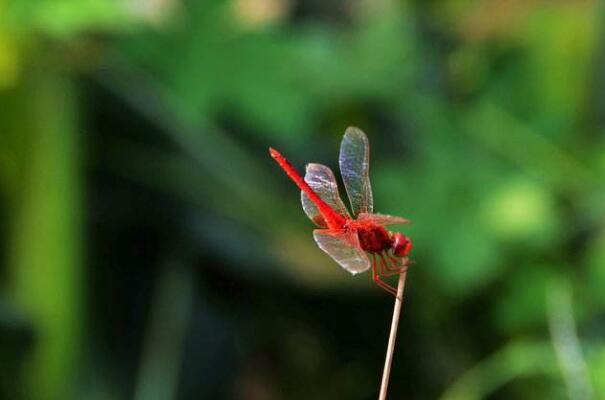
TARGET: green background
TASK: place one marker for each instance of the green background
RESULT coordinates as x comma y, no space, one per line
151,249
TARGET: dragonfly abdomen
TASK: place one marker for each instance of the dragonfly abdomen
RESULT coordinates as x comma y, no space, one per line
332,219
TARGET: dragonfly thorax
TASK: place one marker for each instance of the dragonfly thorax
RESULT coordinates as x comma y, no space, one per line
374,238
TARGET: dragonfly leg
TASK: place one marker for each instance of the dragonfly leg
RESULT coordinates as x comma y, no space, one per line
394,262
395,271
382,263
376,278
386,267
393,265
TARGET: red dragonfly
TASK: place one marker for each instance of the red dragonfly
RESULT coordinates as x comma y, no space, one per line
360,242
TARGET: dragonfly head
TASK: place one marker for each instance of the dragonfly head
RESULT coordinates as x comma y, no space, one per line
401,244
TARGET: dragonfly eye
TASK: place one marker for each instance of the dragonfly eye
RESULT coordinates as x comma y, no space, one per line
401,245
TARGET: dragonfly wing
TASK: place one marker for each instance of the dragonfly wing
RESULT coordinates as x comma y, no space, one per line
322,181
343,247
382,219
354,163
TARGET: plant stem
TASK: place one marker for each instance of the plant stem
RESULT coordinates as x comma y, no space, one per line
392,337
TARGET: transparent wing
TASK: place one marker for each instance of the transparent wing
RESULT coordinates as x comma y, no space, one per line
354,163
343,247
382,219
322,181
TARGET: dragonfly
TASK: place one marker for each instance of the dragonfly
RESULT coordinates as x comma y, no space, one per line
357,241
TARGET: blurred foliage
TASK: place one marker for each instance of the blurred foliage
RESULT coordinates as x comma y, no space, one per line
151,249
